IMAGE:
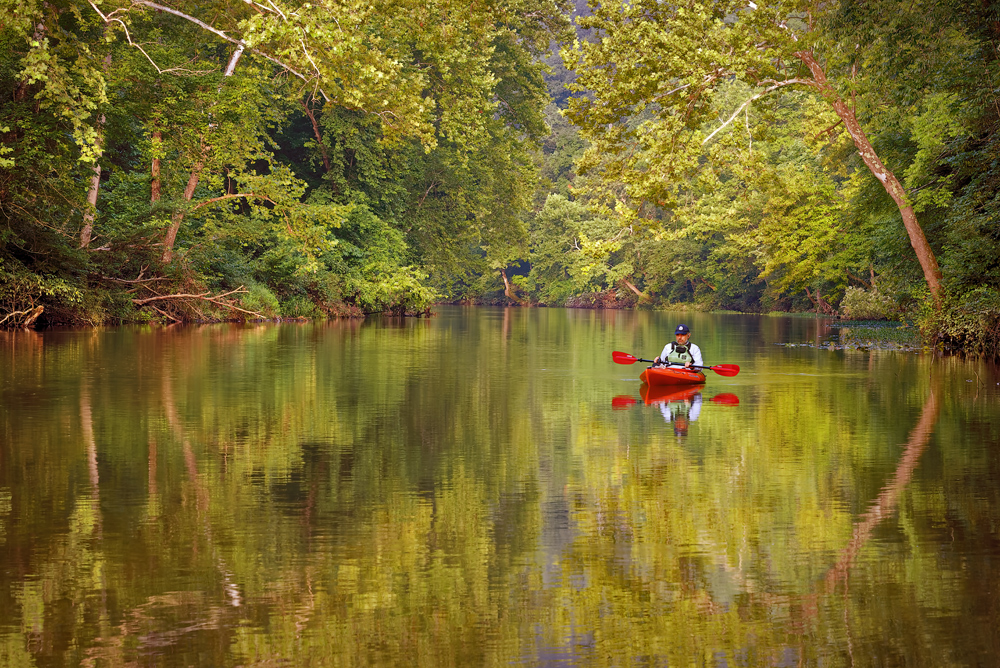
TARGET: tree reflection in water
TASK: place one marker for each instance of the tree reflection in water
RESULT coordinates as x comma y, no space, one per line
458,492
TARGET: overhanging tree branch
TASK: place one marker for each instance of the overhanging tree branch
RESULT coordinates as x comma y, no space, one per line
219,199
108,18
780,84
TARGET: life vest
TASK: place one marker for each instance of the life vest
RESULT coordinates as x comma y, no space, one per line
679,354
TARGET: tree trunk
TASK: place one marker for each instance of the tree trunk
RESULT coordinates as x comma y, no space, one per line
175,221
642,295
95,180
91,214
316,133
154,169
506,285
811,298
925,254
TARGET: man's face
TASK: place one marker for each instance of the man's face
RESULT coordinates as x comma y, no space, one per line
682,339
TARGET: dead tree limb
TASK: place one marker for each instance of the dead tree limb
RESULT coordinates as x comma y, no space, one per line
31,315
642,295
218,300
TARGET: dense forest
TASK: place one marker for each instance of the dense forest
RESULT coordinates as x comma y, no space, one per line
182,160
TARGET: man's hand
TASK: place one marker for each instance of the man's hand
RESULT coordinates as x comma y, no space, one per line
687,364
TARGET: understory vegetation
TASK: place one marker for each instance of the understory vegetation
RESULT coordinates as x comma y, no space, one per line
180,161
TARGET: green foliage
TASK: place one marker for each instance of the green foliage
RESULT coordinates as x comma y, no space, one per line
398,290
701,131
969,322
569,255
559,152
5,163
860,304
22,290
260,300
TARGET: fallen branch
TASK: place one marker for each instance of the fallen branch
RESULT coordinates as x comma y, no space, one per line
139,279
204,296
165,314
143,302
32,315
642,295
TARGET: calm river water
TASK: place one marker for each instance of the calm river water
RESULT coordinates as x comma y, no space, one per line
487,488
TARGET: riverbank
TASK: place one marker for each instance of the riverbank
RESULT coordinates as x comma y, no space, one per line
959,327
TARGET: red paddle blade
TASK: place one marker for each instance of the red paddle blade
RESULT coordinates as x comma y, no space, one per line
624,358
726,398
725,369
622,402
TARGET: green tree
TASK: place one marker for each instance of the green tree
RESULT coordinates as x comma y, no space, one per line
653,72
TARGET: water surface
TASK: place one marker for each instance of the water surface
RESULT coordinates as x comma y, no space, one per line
486,487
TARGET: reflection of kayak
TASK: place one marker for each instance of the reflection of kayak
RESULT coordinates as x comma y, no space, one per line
662,394
671,375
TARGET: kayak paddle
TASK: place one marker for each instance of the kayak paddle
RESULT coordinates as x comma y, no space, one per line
721,369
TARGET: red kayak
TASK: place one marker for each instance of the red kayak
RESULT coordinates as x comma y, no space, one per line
671,375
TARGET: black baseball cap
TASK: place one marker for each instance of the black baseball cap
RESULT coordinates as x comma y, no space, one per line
682,329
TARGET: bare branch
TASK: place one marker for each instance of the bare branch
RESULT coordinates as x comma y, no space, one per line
187,17
671,92
829,130
32,315
165,314
204,296
426,193
275,9
219,199
781,84
137,279
143,302
235,58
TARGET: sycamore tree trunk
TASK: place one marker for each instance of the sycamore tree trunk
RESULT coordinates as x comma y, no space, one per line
95,180
154,168
316,133
892,185
175,221
88,218
178,217
506,286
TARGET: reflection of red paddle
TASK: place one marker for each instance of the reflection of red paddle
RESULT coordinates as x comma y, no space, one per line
622,402
625,401
721,369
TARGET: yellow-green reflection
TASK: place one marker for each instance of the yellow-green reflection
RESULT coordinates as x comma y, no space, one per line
469,491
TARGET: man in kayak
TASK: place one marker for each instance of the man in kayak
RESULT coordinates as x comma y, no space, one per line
680,352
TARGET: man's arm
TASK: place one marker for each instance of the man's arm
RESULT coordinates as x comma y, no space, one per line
663,354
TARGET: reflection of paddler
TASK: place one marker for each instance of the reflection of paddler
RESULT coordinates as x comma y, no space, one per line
679,406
